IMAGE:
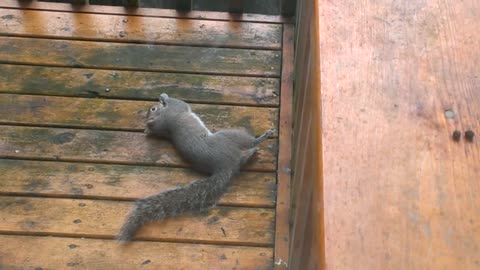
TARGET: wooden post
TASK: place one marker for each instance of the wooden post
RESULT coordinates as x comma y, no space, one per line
79,2
287,7
184,5
131,3
236,6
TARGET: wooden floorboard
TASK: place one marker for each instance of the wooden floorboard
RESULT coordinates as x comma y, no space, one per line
123,114
76,253
75,87
137,85
102,219
149,30
120,182
106,55
103,146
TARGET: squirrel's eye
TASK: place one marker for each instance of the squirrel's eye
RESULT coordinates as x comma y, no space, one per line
153,109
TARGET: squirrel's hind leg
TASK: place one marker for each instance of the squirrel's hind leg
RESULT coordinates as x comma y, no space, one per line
264,136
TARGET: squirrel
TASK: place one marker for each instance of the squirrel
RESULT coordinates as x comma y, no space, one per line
220,155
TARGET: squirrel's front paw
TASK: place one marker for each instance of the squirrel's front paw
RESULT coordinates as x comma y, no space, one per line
270,133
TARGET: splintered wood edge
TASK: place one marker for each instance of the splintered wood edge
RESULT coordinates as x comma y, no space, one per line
147,12
282,237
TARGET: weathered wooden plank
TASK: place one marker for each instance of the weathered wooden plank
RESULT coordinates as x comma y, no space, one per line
138,85
282,213
103,219
146,12
33,252
87,54
120,182
105,146
397,79
122,114
139,29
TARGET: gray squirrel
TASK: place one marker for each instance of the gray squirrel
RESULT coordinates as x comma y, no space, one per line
220,155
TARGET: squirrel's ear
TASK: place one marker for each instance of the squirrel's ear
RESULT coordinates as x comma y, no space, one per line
163,97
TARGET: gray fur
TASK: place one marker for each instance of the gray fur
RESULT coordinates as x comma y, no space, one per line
221,155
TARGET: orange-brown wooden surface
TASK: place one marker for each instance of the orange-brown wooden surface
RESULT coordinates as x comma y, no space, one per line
101,219
89,54
105,146
399,192
121,114
30,252
120,182
78,82
139,29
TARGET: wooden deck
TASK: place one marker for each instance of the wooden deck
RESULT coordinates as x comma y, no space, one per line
74,89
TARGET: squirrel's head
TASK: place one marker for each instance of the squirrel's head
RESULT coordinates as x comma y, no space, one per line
157,116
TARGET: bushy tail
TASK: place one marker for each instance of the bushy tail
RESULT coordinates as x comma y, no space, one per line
198,195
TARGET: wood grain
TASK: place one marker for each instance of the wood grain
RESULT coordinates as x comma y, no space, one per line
282,227
121,28
145,12
103,219
105,147
120,182
31,252
135,85
122,114
86,54
399,193
306,212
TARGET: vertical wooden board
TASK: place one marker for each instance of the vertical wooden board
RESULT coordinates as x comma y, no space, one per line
103,219
122,114
106,147
122,28
120,182
138,85
86,54
30,252
282,228
400,193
